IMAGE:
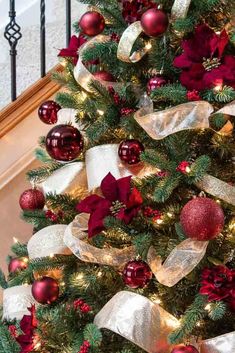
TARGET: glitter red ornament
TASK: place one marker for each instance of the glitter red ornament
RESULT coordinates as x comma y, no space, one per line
47,112
136,274
202,219
130,150
32,199
155,82
185,349
45,290
92,23
104,76
64,143
154,22
18,264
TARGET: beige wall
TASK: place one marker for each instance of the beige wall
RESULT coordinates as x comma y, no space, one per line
10,223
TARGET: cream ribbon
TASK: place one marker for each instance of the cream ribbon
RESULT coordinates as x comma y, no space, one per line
76,240
16,301
220,344
127,41
139,320
180,8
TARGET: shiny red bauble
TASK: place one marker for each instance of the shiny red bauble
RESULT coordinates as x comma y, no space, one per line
45,290
155,82
202,218
154,22
92,23
47,112
17,264
104,76
32,199
185,349
64,143
129,151
136,274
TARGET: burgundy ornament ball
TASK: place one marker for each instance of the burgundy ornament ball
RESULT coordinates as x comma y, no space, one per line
45,290
64,142
47,112
129,151
17,264
185,349
136,274
104,76
202,219
156,82
32,199
92,23
154,22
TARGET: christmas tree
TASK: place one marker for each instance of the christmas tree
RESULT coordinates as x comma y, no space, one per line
133,210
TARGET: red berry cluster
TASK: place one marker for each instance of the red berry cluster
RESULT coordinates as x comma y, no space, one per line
193,95
151,213
79,303
162,174
54,217
182,167
119,101
126,111
13,330
115,37
85,347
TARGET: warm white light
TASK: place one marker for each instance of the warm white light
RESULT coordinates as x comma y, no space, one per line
159,221
148,46
80,276
218,87
26,260
188,170
158,301
208,307
198,324
218,201
15,240
100,112
99,274
51,255
169,214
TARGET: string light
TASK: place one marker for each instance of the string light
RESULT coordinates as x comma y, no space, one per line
26,260
15,240
99,274
218,87
159,221
188,169
100,112
198,324
169,214
51,256
148,46
80,276
208,307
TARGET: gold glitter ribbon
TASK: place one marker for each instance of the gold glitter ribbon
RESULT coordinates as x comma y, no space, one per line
75,237
180,8
127,41
220,344
139,320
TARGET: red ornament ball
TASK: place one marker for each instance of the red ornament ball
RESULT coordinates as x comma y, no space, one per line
156,82
92,23
47,112
129,151
136,274
64,143
17,264
104,76
154,22
202,219
45,290
185,349
32,199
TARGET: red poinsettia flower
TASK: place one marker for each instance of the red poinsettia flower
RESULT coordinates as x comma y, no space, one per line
72,50
202,62
28,324
218,283
132,10
120,200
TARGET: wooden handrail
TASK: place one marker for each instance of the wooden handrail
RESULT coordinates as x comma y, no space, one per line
28,101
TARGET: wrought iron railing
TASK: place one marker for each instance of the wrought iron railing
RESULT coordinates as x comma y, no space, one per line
13,35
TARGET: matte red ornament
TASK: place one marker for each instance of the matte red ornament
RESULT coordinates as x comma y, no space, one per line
47,112
64,143
185,349
136,274
92,23
202,218
130,150
104,76
17,264
45,290
156,82
32,199
154,22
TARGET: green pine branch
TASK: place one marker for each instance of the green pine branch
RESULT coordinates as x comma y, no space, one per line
7,343
173,93
165,188
93,335
157,160
42,173
19,249
198,169
3,281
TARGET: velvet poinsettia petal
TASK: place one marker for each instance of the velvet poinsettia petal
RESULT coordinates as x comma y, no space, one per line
72,48
96,220
26,324
109,187
89,204
182,61
223,40
135,199
124,188
193,78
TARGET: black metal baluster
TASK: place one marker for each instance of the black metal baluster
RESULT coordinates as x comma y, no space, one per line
68,21
43,37
12,34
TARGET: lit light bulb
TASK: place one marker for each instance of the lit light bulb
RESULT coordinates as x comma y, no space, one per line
169,214
100,112
51,256
148,46
158,301
218,87
208,307
80,276
15,240
159,221
188,169
99,274
25,259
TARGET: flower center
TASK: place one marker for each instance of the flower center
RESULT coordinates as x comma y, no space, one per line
116,207
210,64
